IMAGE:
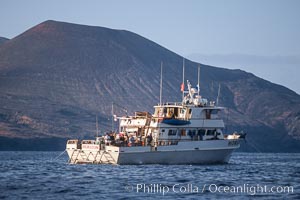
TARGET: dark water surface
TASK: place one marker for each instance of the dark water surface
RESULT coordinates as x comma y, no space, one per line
37,175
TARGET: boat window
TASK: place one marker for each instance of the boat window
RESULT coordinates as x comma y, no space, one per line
176,112
183,132
192,132
162,130
201,132
172,132
165,110
182,111
170,113
214,111
210,132
156,111
208,113
160,112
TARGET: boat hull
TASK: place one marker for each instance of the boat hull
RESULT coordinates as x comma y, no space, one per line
176,157
201,153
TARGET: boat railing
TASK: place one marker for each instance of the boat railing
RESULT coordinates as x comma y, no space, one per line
204,118
171,104
160,119
73,144
88,142
72,141
186,118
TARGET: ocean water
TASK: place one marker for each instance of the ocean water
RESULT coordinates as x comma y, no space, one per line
41,175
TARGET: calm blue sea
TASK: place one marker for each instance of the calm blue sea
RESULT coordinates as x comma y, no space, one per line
38,175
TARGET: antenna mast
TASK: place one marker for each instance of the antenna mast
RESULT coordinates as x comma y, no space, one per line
112,116
160,91
198,80
183,79
217,103
97,126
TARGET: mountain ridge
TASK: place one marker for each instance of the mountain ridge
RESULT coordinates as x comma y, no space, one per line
3,40
284,67
56,77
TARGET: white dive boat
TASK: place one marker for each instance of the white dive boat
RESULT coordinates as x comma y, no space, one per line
189,132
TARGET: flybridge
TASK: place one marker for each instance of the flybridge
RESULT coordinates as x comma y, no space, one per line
191,96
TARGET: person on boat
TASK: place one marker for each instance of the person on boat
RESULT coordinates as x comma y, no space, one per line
122,139
160,113
126,139
131,140
107,139
117,138
137,141
112,138
149,139
172,115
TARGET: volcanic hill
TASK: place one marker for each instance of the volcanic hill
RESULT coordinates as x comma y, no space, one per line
56,77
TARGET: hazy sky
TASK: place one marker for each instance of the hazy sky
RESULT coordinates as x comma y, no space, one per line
259,28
